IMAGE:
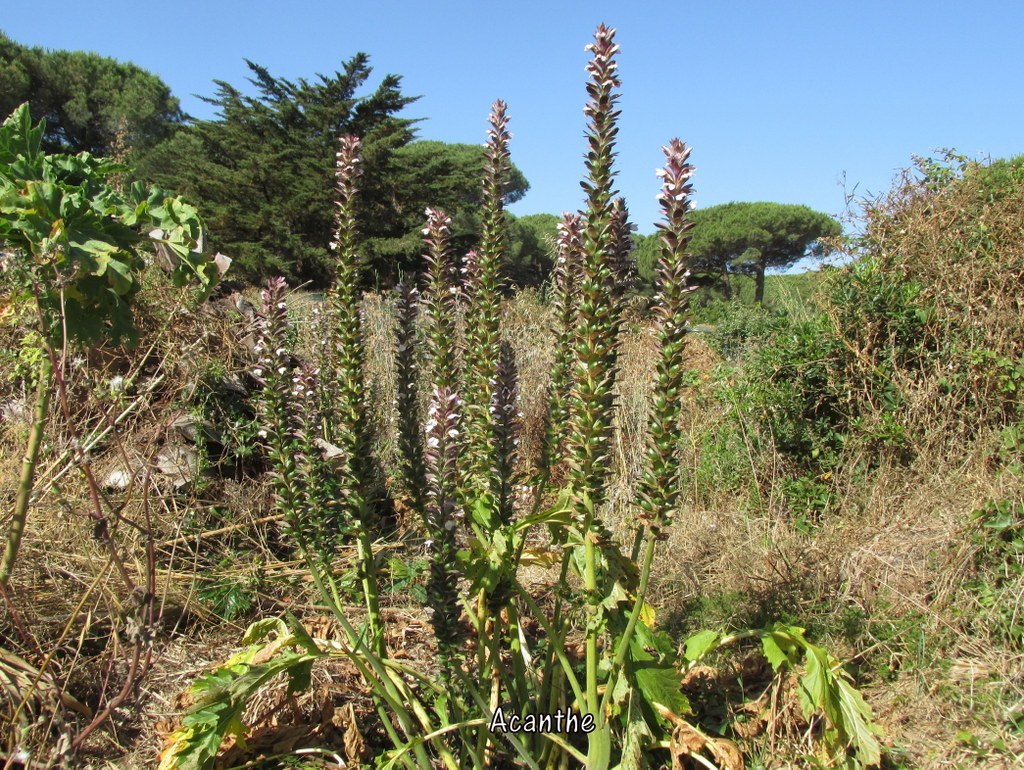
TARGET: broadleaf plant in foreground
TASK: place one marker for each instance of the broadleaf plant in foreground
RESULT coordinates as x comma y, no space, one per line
72,250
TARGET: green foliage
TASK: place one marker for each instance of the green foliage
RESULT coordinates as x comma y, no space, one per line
749,238
738,327
222,696
813,384
927,307
91,103
886,316
262,171
1011,448
531,248
999,559
793,386
850,737
229,597
795,294
646,252
75,238
21,364
809,499
407,577
724,463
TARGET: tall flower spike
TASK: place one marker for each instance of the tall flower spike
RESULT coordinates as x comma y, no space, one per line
348,169
483,289
593,399
347,423
410,439
441,301
274,405
443,493
318,518
565,278
600,110
497,169
659,489
345,292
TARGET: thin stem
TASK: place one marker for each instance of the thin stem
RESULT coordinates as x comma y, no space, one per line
16,531
557,643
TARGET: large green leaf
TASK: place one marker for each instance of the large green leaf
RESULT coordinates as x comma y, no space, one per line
19,138
700,644
653,667
71,227
221,699
826,688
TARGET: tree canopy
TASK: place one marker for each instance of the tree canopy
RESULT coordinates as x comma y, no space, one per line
749,238
532,239
262,171
86,99
442,175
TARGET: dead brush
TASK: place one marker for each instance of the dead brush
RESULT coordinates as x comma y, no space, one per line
88,623
527,326
946,239
897,570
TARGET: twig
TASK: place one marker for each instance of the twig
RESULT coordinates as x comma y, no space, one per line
91,442
219,531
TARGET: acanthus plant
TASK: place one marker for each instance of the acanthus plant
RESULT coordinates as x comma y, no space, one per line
499,646
568,255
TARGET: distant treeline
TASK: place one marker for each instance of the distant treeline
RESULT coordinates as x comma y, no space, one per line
261,171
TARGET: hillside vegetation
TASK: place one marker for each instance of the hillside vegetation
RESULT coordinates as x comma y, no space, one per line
286,529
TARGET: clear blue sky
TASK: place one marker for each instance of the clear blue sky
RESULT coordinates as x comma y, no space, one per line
780,100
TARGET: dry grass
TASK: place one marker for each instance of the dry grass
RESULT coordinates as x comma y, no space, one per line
894,557
895,575
88,620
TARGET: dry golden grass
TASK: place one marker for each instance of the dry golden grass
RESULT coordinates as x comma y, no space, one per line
894,554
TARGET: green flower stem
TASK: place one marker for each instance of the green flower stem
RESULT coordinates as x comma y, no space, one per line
524,755
368,575
557,642
593,397
649,546
371,667
594,613
659,490
548,688
521,683
16,531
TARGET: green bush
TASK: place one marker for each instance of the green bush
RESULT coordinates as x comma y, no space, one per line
794,385
999,560
738,326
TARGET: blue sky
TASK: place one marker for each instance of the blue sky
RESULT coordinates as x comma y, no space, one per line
781,101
